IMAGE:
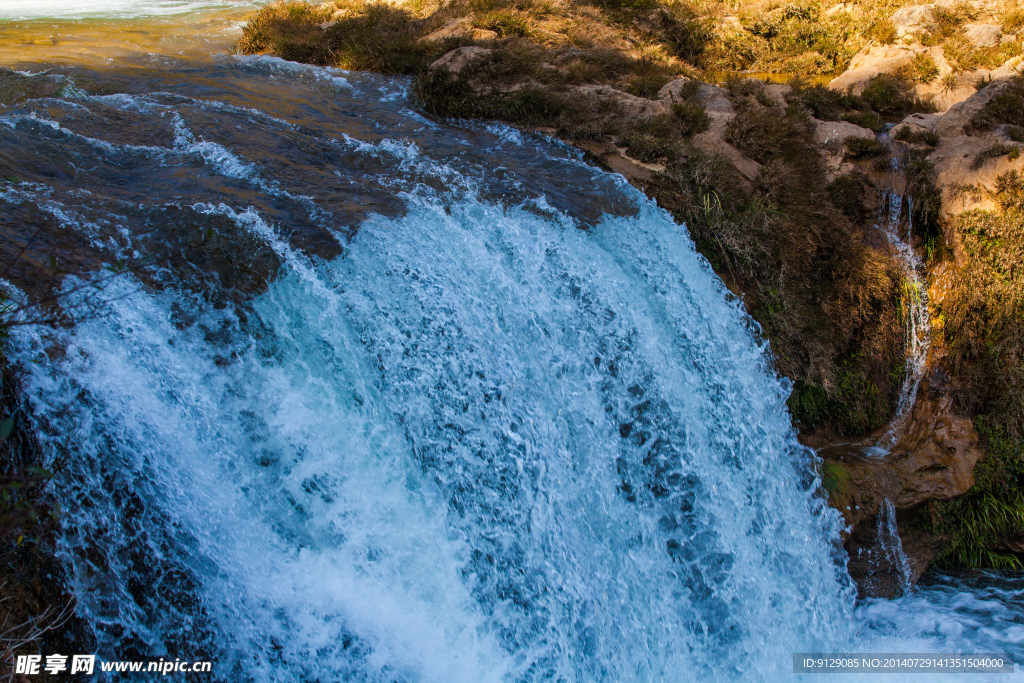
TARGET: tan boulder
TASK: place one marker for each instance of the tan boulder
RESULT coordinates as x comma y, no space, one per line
456,28
459,58
632,106
870,62
482,34
710,143
835,133
957,120
712,99
776,93
983,35
676,91
914,20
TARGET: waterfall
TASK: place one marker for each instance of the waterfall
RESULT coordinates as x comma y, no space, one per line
505,425
897,226
382,398
890,548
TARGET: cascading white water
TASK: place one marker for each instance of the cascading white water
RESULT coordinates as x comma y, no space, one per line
915,295
890,547
515,430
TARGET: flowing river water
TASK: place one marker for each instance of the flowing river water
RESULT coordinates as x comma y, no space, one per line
387,398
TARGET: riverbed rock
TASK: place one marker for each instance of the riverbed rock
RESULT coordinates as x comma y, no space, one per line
459,58
914,20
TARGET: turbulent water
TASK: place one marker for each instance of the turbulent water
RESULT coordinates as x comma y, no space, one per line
382,398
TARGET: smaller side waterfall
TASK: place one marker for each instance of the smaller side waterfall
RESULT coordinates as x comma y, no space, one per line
897,225
890,548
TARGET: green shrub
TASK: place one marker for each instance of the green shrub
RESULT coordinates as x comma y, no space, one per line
691,117
847,191
1013,21
994,151
653,139
1005,108
977,522
380,37
883,31
863,148
893,97
923,69
685,32
984,310
917,137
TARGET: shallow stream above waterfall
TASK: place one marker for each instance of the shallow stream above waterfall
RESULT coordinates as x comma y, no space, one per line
386,398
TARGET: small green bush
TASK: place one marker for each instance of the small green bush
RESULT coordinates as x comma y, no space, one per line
924,69
977,522
984,310
863,148
1013,21
917,137
1005,108
994,151
691,117
893,97
883,31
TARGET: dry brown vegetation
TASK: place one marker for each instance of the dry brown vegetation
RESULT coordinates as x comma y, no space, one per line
828,302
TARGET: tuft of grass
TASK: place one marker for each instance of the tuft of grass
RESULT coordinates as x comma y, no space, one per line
691,118
1005,108
863,148
917,137
977,522
883,31
506,23
923,69
1013,20
984,311
995,151
893,97
654,139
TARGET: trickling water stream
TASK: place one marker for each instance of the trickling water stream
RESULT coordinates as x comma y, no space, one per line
392,399
896,217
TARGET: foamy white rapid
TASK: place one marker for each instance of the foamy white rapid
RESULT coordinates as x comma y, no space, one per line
516,430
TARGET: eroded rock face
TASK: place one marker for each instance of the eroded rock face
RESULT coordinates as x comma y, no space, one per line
933,460
965,171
